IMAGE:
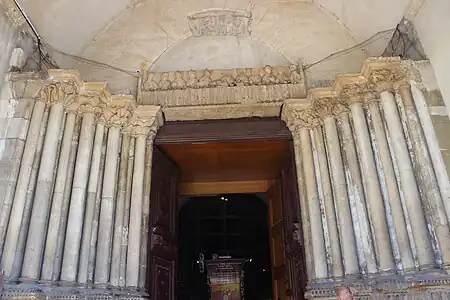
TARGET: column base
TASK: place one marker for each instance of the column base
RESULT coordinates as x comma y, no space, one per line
424,285
25,291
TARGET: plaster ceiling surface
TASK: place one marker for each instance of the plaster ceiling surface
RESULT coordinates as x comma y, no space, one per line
126,33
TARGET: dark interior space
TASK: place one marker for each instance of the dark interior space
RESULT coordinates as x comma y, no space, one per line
233,225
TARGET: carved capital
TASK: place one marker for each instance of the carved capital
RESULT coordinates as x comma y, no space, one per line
94,98
119,110
297,114
145,120
62,86
385,79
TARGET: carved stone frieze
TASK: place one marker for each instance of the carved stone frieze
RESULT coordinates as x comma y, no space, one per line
213,87
220,22
13,13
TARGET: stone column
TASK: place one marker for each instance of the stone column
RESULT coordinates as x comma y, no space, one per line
374,200
94,176
431,196
104,242
57,201
146,211
408,185
145,120
77,201
346,234
317,232
361,227
12,215
38,223
119,214
329,215
388,180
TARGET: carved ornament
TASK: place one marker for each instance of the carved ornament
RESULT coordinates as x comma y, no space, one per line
61,87
220,22
93,98
233,86
119,110
13,13
145,120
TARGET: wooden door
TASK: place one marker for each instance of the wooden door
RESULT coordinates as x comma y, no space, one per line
163,222
277,249
294,250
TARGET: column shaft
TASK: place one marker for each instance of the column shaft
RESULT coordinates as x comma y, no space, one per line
432,200
78,200
364,243
134,241
374,200
96,220
343,213
126,215
13,215
146,213
326,192
318,240
388,182
105,231
57,263
118,223
38,223
90,205
58,196
408,185
306,223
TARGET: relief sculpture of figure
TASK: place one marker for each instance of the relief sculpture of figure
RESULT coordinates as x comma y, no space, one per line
295,76
192,80
242,78
178,82
149,82
205,80
164,84
267,76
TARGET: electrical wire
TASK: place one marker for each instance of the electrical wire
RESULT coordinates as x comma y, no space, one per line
354,48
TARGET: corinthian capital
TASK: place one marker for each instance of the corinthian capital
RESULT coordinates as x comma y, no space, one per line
119,110
145,120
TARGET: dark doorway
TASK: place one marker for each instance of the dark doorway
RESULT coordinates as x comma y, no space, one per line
233,225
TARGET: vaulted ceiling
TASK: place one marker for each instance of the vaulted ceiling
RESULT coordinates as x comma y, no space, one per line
125,33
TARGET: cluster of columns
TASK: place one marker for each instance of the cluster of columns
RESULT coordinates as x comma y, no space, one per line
371,202
76,213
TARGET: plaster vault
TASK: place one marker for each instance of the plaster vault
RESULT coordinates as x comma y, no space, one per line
366,151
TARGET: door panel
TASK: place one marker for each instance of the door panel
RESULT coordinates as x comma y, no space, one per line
293,232
277,245
162,239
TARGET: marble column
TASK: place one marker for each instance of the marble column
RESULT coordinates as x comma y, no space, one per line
105,229
119,213
40,212
344,217
388,181
134,239
94,177
329,215
408,185
374,200
12,213
146,212
78,200
306,224
317,232
355,190
428,185
58,197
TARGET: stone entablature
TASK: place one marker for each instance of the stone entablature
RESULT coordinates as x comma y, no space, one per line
221,87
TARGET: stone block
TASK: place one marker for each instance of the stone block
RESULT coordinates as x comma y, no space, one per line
11,149
18,128
434,98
